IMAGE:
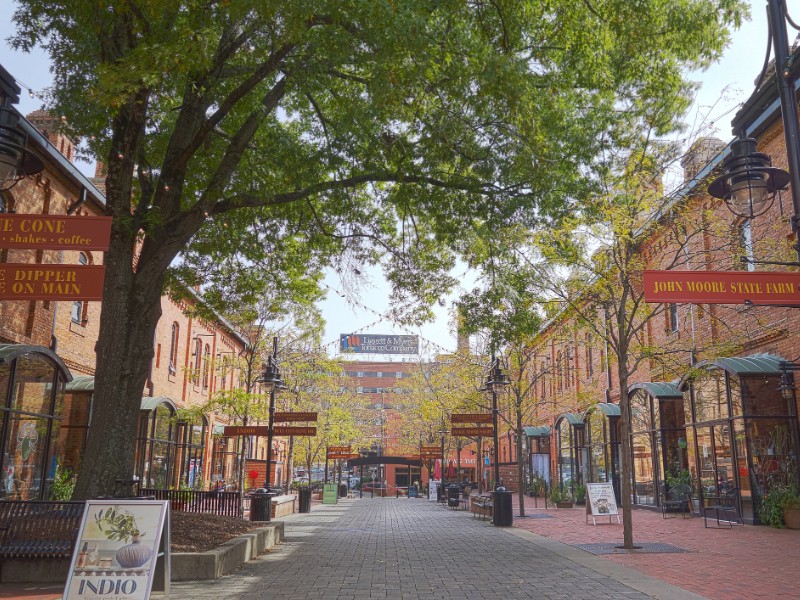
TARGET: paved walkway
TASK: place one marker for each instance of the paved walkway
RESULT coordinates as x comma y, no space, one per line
415,549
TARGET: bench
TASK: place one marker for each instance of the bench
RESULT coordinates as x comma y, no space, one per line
482,505
463,501
39,529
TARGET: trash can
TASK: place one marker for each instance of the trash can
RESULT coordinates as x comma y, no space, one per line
439,493
452,495
342,490
260,506
502,515
304,499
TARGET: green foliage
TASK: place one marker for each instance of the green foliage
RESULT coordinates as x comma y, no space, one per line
63,484
538,486
580,492
558,494
775,501
682,477
117,524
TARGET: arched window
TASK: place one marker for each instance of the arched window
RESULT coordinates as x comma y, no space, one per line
156,444
198,352
80,308
173,349
192,445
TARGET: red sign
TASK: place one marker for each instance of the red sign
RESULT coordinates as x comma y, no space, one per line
722,287
473,431
308,431
234,430
339,449
431,449
341,455
51,282
471,418
285,417
54,232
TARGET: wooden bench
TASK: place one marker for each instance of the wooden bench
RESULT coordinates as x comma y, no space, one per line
482,505
39,529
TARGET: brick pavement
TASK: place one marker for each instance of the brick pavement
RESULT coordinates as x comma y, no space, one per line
726,564
414,549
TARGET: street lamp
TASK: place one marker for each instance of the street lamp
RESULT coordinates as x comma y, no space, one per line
16,161
496,380
443,432
271,378
749,181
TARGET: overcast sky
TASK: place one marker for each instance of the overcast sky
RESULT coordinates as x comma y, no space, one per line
724,87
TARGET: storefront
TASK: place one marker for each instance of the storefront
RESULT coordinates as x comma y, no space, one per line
658,440
570,446
156,444
539,444
602,437
33,380
742,428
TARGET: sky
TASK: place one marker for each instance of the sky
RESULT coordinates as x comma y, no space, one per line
724,87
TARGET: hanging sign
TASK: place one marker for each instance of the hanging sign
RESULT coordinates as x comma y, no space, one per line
306,431
54,232
234,430
471,418
286,417
430,449
340,449
117,549
340,452
472,431
51,282
722,287
600,501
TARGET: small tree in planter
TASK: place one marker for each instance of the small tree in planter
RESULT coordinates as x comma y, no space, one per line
580,494
561,498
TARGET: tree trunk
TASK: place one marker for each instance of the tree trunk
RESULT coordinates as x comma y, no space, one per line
131,310
625,432
520,466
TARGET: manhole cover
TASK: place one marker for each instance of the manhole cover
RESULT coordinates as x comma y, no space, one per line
641,548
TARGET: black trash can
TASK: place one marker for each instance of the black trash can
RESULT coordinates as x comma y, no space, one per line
440,493
502,515
304,499
452,495
260,506
342,490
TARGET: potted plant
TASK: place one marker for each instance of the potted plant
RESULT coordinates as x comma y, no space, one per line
538,486
560,498
780,507
580,494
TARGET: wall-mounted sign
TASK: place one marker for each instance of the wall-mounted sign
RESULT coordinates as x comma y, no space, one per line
234,430
340,449
434,449
54,232
307,431
471,418
600,501
117,549
472,431
363,343
286,417
722,287
51,282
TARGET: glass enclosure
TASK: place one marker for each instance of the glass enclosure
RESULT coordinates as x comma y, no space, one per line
601,424
570,447
156,447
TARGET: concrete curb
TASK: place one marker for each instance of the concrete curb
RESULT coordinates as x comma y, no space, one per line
195,566
646,584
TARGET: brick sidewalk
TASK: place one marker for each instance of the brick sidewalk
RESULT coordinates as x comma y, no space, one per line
731,564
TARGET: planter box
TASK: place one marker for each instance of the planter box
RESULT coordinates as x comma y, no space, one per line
564,504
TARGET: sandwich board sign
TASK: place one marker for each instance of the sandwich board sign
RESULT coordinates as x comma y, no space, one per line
119,543
600,502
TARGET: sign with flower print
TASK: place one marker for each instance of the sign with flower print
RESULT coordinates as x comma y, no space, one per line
117,549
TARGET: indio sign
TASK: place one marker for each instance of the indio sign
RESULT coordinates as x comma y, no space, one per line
722,287
50,282
54,232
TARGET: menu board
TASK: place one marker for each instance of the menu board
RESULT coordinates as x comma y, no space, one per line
601,501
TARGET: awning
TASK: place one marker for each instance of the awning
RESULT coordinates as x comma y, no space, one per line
540,431
757,364
658,389
571,418
151,403
9,352
607,408
81,383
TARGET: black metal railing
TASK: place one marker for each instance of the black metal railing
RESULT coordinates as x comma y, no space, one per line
227,504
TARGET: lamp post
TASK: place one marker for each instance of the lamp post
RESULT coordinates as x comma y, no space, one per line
272,378
442,432
749,181
495,381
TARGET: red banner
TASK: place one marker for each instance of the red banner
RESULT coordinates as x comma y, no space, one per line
471,418
286,417
472,431
234,430
51,282
54,232
722,287
307,431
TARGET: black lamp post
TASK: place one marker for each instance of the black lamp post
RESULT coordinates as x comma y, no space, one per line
272,378
16,161
442,432
495,381
749,181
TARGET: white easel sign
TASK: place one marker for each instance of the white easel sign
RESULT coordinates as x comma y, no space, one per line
118,545
601,502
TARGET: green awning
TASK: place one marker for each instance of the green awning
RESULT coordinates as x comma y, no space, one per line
151,403
540,431
658,389
81,383
8,352
608,409
571,418
756,364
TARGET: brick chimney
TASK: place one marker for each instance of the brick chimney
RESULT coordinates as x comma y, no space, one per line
699,155
50,127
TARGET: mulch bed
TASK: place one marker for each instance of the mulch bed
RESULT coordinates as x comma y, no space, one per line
193,532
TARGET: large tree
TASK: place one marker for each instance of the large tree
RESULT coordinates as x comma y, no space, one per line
311,131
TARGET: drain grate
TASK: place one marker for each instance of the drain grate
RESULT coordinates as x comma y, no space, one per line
641,548
534,516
